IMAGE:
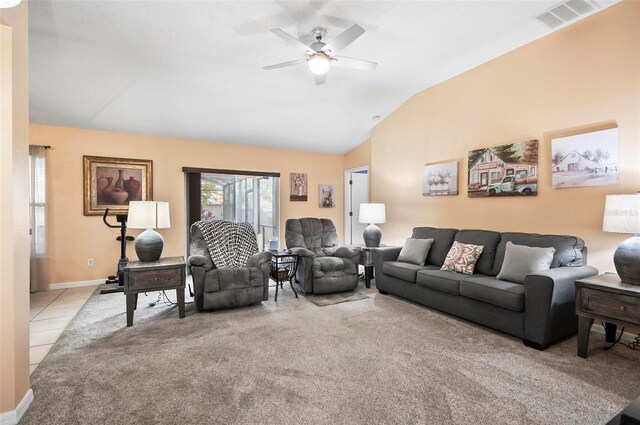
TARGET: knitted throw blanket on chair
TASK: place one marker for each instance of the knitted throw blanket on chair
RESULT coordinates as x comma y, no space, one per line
230,244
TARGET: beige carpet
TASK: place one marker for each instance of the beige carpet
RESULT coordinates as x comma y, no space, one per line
380,360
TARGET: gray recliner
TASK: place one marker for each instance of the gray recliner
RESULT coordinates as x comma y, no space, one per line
323,267
216,288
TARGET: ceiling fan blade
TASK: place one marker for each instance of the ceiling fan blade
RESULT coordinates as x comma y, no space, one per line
344,39
320,79
292,41
285,64
345,62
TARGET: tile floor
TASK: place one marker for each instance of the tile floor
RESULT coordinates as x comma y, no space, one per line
51,312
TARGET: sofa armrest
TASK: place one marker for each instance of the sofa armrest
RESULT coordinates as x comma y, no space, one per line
259,258
550,303
386,253
303,252
353,253
262,260
380,255
200,261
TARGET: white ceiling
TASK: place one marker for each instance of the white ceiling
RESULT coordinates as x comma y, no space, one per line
193,69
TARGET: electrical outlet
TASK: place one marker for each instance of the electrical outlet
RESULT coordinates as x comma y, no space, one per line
90,262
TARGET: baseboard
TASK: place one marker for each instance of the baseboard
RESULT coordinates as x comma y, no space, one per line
78,284
13,417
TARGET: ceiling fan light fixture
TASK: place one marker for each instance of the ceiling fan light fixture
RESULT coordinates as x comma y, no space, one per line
319,64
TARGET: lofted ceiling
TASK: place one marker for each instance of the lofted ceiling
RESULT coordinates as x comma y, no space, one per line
193,69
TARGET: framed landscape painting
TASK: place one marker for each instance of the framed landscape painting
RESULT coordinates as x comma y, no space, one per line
504,170
440,179
298,187
326,196
589,159
114,182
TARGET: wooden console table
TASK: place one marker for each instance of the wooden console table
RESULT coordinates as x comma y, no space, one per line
608,299
166,273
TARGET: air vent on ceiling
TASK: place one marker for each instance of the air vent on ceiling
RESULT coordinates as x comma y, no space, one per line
565,12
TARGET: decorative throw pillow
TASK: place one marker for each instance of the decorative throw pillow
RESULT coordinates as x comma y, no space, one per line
521,260
462,258
415,251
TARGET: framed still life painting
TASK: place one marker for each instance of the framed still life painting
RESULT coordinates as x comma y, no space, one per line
327,196
114,182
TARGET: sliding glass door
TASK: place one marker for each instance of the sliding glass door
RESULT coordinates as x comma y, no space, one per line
250,199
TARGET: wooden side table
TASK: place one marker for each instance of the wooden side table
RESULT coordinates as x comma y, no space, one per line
166,273
366,260
608,299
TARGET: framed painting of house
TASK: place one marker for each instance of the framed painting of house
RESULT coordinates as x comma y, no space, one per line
589,159
114,182
504,170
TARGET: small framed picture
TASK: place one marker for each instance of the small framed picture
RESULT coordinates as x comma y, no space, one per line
114,182
440,179
298,187
326,196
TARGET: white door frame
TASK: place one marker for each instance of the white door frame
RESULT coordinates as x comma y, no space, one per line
347,193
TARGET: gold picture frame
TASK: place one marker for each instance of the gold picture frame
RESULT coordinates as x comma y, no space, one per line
114,182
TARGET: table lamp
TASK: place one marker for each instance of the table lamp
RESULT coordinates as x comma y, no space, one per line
372,214
148,215
622,215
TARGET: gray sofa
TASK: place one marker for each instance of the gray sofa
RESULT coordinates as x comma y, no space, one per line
323,267
540,311
227,287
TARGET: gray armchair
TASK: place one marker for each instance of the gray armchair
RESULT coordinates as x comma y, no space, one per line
216,288
324,267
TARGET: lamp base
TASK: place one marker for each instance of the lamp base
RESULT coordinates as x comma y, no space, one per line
149,246
627,261
372,236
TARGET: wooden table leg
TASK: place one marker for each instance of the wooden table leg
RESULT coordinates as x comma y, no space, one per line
131,305
610,332
584,327
368,272
180,296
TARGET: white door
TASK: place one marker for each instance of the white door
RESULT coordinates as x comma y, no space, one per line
356,193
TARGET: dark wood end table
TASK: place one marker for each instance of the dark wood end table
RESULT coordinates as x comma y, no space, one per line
608,299
283,267
366,260
164,274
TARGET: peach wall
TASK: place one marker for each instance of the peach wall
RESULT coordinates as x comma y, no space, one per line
76,238
14,202
359,156
583,77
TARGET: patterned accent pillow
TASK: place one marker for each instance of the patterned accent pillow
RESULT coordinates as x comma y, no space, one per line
462,258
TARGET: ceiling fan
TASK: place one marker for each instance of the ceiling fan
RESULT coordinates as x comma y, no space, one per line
320,55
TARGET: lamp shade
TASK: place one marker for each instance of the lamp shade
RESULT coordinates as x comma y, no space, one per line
372,213
5,4
148,215
622,214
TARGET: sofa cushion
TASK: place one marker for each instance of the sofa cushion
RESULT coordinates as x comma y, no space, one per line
462,258
403,271
232,278
315,234
489,240
332,266
440,280
415,251
521,260
493,291
442,240
568,248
